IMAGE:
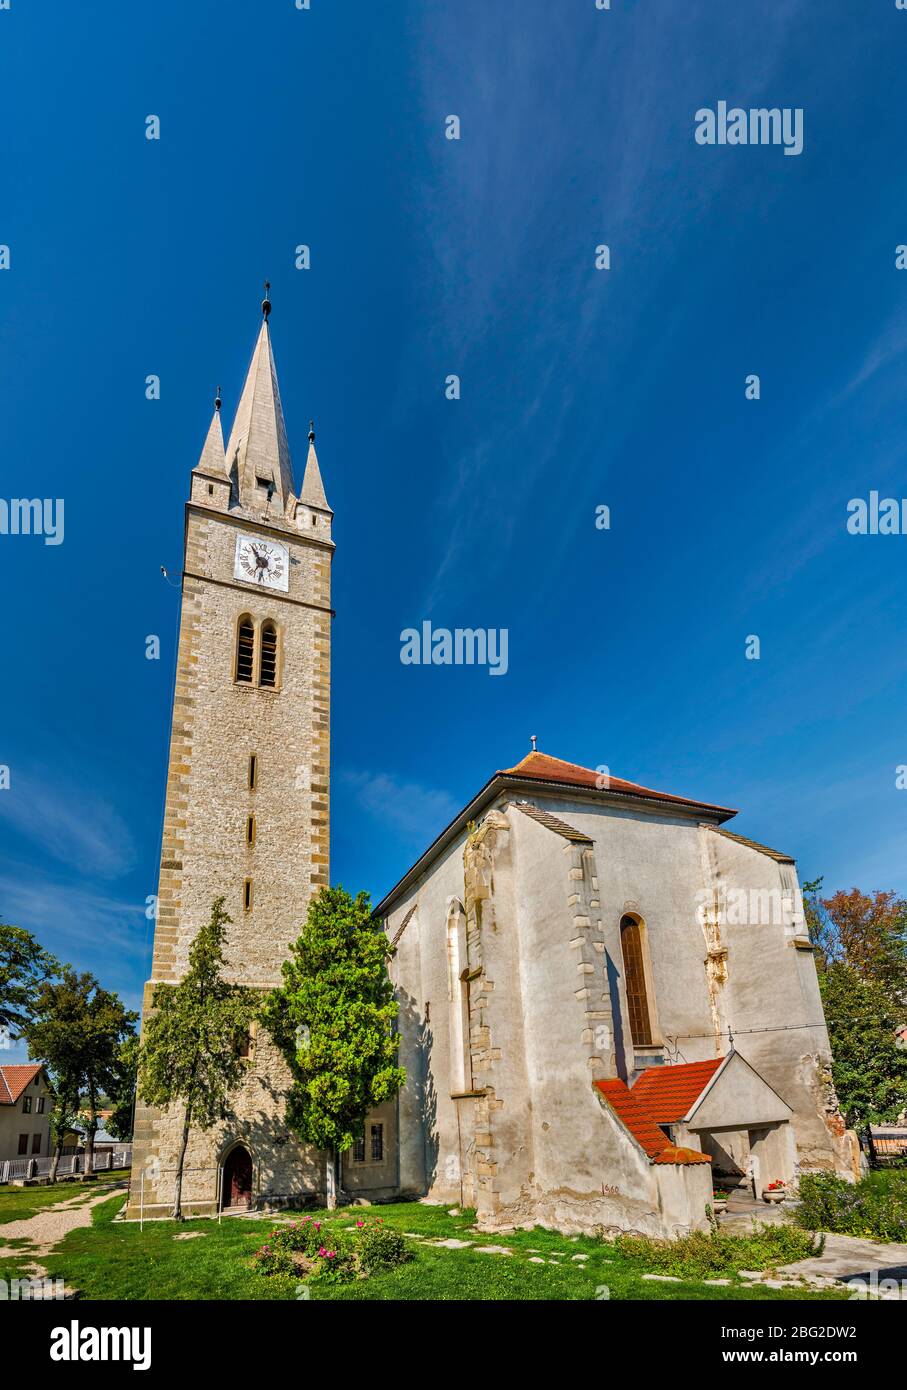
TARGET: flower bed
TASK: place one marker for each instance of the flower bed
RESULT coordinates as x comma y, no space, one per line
326,1251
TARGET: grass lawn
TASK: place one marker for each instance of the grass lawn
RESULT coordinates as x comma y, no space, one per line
116,1260
18,1203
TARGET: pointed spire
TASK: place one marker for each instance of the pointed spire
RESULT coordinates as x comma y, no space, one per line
312,486
258,448
212,459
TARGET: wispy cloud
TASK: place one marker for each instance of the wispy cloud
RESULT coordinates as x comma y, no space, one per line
415,811
537,122
888,348
74,922
73,825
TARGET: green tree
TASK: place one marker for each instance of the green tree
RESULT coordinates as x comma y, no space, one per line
122,1093
332,1019
24,966
63,1118
860,942
866,931
77,1029
869,1070
191,1052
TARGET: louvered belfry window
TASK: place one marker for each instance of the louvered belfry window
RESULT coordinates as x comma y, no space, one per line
245,651
635,980
269,654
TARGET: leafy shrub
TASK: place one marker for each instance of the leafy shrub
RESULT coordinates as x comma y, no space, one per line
326,1252
707,1254
306,1235
272,1260
380,1247
334,1266
875,1207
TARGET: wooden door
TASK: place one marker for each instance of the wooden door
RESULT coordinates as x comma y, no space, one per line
238,1178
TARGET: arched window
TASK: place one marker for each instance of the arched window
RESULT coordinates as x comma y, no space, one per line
635,979
245,650
458,995
268,654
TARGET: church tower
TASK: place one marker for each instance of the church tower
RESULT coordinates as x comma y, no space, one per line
247,806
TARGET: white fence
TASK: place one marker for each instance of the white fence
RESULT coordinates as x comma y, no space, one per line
24,1169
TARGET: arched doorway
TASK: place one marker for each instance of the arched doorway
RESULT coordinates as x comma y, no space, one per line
236,1188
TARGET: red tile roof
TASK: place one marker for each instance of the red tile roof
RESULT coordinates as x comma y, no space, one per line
13,1081
656,1144
668,1093
542,768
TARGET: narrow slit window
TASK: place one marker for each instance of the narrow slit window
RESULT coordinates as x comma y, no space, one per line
250,830
269,654
247,895
245,651
253,772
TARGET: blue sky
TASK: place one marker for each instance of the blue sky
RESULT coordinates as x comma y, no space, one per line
579,388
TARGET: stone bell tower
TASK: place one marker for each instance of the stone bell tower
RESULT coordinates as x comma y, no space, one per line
247,807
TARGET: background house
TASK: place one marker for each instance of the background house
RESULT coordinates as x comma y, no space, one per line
26,1101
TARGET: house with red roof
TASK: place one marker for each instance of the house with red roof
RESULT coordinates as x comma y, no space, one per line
608,1001
26,1101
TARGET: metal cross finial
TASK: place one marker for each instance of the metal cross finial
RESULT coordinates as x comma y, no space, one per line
217,400
266,302
311,431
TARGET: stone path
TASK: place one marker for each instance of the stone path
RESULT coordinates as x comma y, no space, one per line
849,1257
47,1228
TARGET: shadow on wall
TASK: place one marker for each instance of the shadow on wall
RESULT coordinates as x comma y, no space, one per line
426,1097
616,1019
275,1149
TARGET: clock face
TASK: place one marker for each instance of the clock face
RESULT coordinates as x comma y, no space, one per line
262,562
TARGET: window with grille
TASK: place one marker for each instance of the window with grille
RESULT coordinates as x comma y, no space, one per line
359,1150
269,654
635,980
377,1143
245,651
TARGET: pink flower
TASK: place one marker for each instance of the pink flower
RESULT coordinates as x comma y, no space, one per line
331,1254
322,1251
360,1223
317,1225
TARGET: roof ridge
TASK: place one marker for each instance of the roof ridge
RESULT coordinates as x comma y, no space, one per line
545,818
752,844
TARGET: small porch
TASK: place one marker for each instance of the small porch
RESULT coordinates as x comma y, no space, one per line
726,1110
